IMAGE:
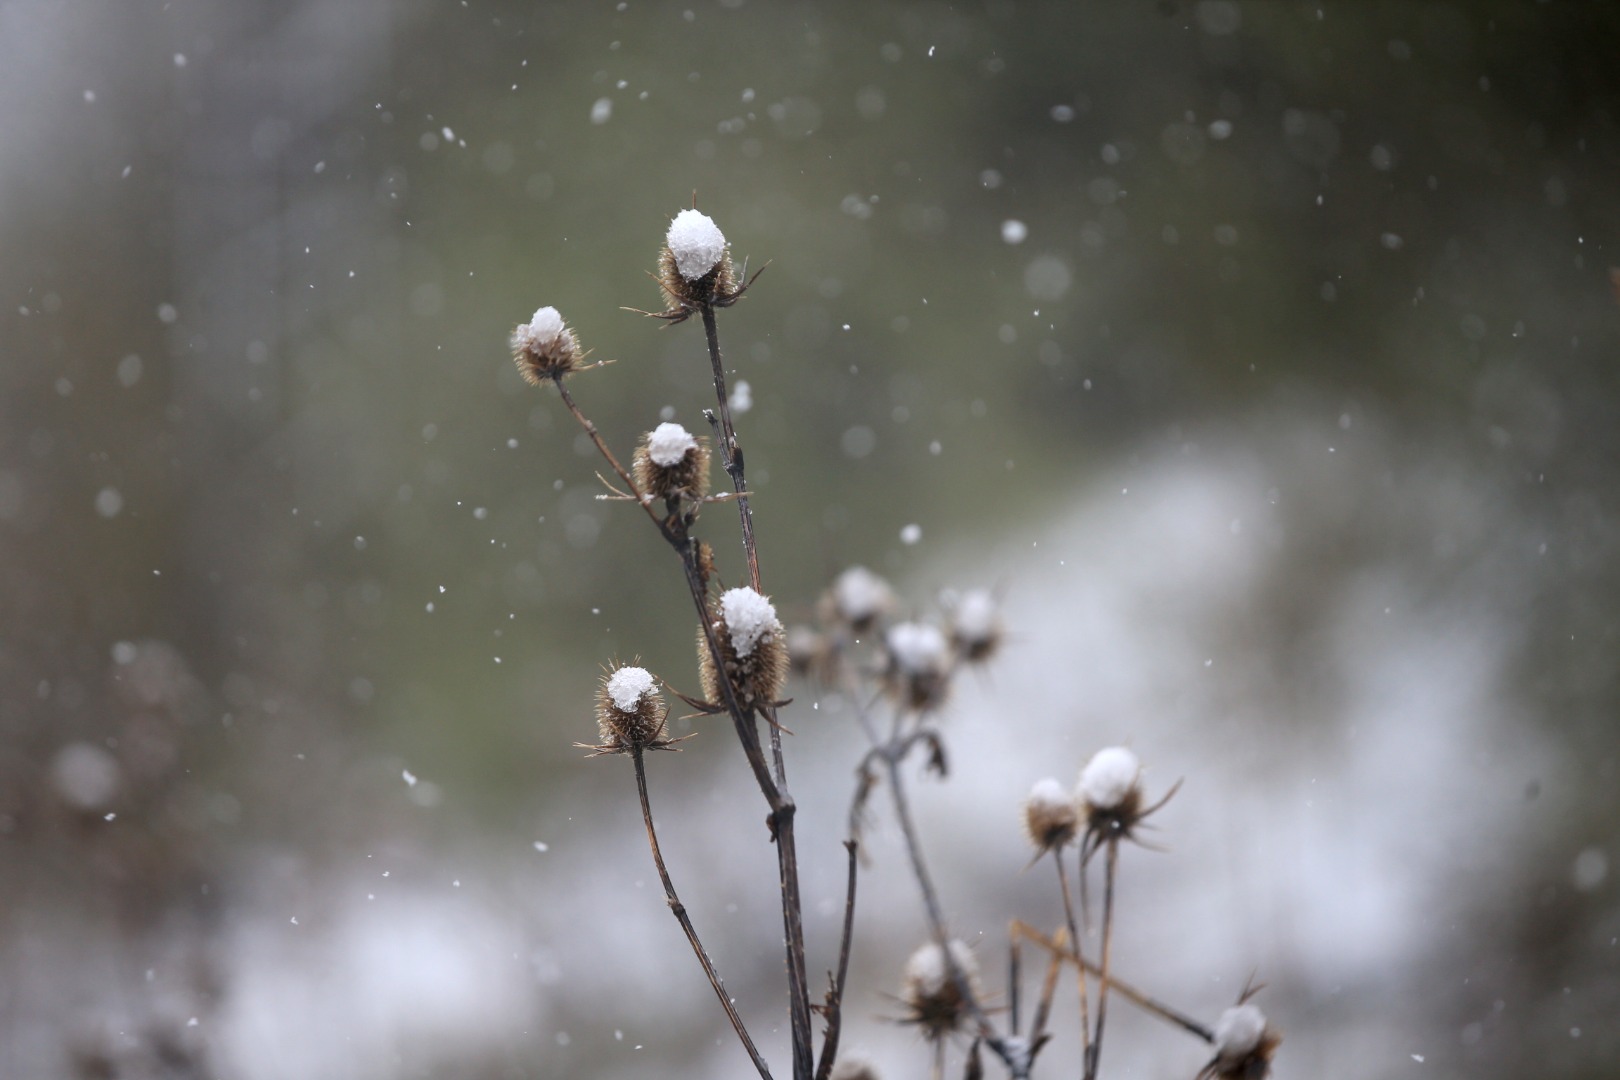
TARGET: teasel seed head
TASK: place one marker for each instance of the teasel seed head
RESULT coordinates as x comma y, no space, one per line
1050,816
855,1067
858,598
917,665
629,712
1244,1045
753,650
1110,798
694,265
671,463
976,630
932,999
545,348
811,654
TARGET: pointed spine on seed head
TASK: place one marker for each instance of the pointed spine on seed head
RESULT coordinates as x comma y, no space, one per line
545,348
932,998
630,713
917,665
1050,816
753,650
1244,1045
671,463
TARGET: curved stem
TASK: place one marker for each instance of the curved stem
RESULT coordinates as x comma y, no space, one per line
679,910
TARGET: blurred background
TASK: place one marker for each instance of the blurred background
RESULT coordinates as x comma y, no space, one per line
1260,355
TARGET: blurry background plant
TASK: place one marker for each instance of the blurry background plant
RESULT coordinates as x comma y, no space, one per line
1260,354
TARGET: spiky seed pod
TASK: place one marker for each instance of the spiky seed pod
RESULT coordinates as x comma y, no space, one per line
753,650
917,665
1110,798
694,265
1050,816
811,654
1244,1046
976,629
629,711
931,997
858,599
671,463
855,1067
545,348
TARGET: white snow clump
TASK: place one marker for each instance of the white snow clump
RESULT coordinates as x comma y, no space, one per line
1048,797
545,329
627,686
926,973
696,242
749,618
861,594
917,648
1109,777
669,443
1239,1031
975,616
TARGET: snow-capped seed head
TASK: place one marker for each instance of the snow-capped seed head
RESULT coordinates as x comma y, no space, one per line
976,624
696,242
1244,1046
748,617
544,347
668,443
629,711
931,996
1050,815
752,646
1239,1031
670,463
860,596
918,669
1110,778
810,653
855,1067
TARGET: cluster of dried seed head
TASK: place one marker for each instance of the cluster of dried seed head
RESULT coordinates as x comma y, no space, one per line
694,267
545,348
932,997
672,463
1244,1045
917,665
753,650
630,712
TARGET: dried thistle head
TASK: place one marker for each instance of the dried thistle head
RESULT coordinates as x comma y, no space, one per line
932,998
976,630
1244,1045
671,463
545,348
855,1067
811,654
694,267
630,713
753,650
917,665
1050,816
1110,797
857,599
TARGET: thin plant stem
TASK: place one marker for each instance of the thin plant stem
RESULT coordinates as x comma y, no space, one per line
1109,870
679,909
730,453
835,998
1079,964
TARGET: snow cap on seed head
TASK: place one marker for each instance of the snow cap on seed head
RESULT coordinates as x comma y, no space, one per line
918,665
668,443
976,624
859,596
748,617
544,347
629,712
753,650
930,994
1244,1045
1050,815
696,242
1109,778
671,463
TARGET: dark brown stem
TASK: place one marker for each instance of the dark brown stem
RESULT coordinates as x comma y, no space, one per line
1079,963
1094,1053
835,997
679,910
730,453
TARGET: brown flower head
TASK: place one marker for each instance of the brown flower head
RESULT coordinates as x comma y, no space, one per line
630,713
671,463
932,998
1111,800
753,650
917,665
1050,816
545,348
976,629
